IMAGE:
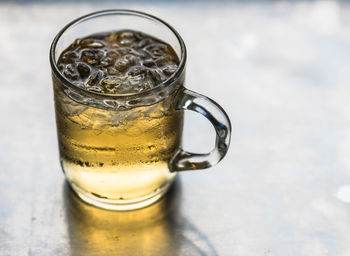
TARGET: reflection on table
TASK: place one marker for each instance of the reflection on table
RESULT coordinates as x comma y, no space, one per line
159,229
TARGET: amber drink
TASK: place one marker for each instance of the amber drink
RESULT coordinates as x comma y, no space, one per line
117,155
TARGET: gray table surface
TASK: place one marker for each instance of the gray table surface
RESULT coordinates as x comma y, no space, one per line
280,69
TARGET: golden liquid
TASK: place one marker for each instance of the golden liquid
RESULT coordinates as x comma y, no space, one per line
117,155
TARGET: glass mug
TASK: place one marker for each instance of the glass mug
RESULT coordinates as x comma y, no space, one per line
122,152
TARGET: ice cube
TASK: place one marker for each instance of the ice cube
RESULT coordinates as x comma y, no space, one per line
83,70
94,78
156,75
113,71
112,54
95,89
121,65
124,50
70,72
111,84
169,69
91,56
126,62
144,42
126,38
149,63
138,36
164,60
69,57
91,43
156,49
107,61
136,74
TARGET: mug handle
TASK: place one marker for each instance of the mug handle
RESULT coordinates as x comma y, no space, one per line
183,160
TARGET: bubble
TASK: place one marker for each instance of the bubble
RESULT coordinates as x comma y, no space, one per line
95,89
71,108
153,113
111,103
134,102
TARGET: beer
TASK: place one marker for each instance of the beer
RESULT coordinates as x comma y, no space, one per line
117,156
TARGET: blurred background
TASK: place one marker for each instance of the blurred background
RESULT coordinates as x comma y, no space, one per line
281,70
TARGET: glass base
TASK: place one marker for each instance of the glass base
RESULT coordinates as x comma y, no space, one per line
120,205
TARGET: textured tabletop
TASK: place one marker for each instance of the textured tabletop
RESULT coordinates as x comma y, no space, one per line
280,70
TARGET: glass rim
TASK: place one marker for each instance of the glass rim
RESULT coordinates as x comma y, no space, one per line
166,83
